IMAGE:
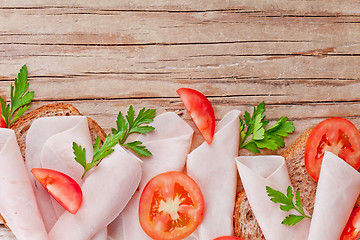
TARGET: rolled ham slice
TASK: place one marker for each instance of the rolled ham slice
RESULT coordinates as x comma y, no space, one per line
336,194
169,144
17,200
257,172
49,145
106,191
213,168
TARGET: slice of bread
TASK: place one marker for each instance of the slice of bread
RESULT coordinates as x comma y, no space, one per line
22,125
245,224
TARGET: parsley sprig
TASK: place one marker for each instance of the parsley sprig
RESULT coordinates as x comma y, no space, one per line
288,204
99,152
255,126
120,135
20,98
135,125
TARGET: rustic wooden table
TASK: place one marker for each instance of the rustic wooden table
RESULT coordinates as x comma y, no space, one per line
301,57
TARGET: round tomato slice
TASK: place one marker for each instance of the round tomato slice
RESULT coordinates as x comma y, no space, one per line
336,135
200,110
63,188
352,228
228,238
171,206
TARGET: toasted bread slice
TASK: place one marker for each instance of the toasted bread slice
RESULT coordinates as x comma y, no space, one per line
22,125
245,224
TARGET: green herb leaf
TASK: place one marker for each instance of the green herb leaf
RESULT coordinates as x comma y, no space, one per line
287,204
135,125
255,126
291,220
20,98
138,148
80,154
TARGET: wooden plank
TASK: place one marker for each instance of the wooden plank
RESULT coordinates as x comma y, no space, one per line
331,6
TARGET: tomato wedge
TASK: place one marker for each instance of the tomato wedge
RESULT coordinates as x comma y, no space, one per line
336,135
200,110
171,206
352,228
63,188
228,238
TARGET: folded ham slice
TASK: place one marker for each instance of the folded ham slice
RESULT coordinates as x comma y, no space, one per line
257,172
49,145
17,200
337,191
106,191
169,144
213,168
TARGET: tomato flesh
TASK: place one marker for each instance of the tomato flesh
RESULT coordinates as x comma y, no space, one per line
65,190
336,135
171,206
228,238
200,110
352,228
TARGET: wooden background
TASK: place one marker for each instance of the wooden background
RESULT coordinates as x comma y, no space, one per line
301,57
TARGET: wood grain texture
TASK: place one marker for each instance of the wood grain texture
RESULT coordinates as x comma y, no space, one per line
301,57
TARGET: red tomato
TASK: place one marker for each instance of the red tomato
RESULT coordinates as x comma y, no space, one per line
336,135
62,187
2,121
228,238
200,110
352,228
171,206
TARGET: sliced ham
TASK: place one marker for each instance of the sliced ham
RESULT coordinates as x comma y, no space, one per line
213,168
17,200
169,144
336,194
49,145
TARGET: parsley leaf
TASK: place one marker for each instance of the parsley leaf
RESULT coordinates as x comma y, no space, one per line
135,125
287,204
255,126
20,98
99,152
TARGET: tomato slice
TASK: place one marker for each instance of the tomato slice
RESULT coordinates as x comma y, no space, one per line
171,206
352,228
200,110
336,135
63,188
228,238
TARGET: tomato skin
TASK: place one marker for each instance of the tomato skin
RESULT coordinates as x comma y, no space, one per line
228,238
200,110
63,188
171,206
2,121
352,228
336,135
